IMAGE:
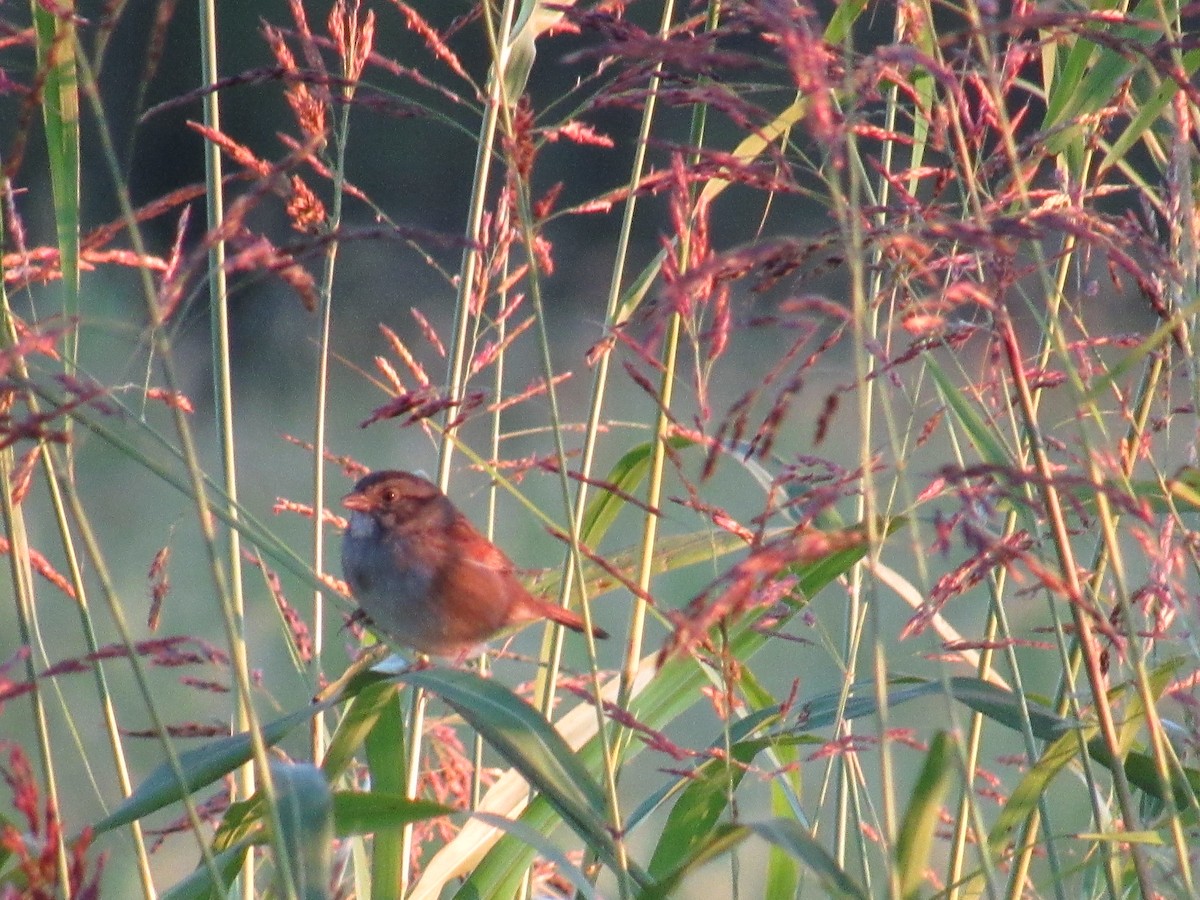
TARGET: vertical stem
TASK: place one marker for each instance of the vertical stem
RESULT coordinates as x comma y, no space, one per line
161,346
222,377
637,622
456,367
22,584
1085,633
340,137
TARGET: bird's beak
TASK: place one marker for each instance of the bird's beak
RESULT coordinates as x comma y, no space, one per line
357,502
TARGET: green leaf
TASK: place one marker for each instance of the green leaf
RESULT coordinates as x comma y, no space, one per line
719,842
377,812
1090,78
1147,346
844,16
673,689
788,835
816,574
1025,797
627,474
55,43
360,718
529,743
738,734
672,553
199,886
918,832
632,296
200,767
698,810
519,56
1148,113
1149,838
981,433
861,700
1004,706
783,870
353,813
533,20
305,810
1143,774
546,849
386,759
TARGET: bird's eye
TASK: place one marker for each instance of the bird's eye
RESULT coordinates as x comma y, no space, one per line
389,495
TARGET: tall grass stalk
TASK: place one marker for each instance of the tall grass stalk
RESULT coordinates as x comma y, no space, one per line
218,302
196,478
882,303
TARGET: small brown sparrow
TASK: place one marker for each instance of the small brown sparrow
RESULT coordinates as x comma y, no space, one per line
425,577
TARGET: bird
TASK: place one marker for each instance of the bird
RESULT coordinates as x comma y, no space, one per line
425,578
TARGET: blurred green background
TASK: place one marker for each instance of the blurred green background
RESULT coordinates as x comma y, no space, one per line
418,170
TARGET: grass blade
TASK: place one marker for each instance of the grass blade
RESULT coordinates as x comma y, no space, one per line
914,843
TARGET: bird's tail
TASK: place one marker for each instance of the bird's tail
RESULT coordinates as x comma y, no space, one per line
564,616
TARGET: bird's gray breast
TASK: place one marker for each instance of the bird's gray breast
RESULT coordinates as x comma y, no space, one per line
387,585
362,525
